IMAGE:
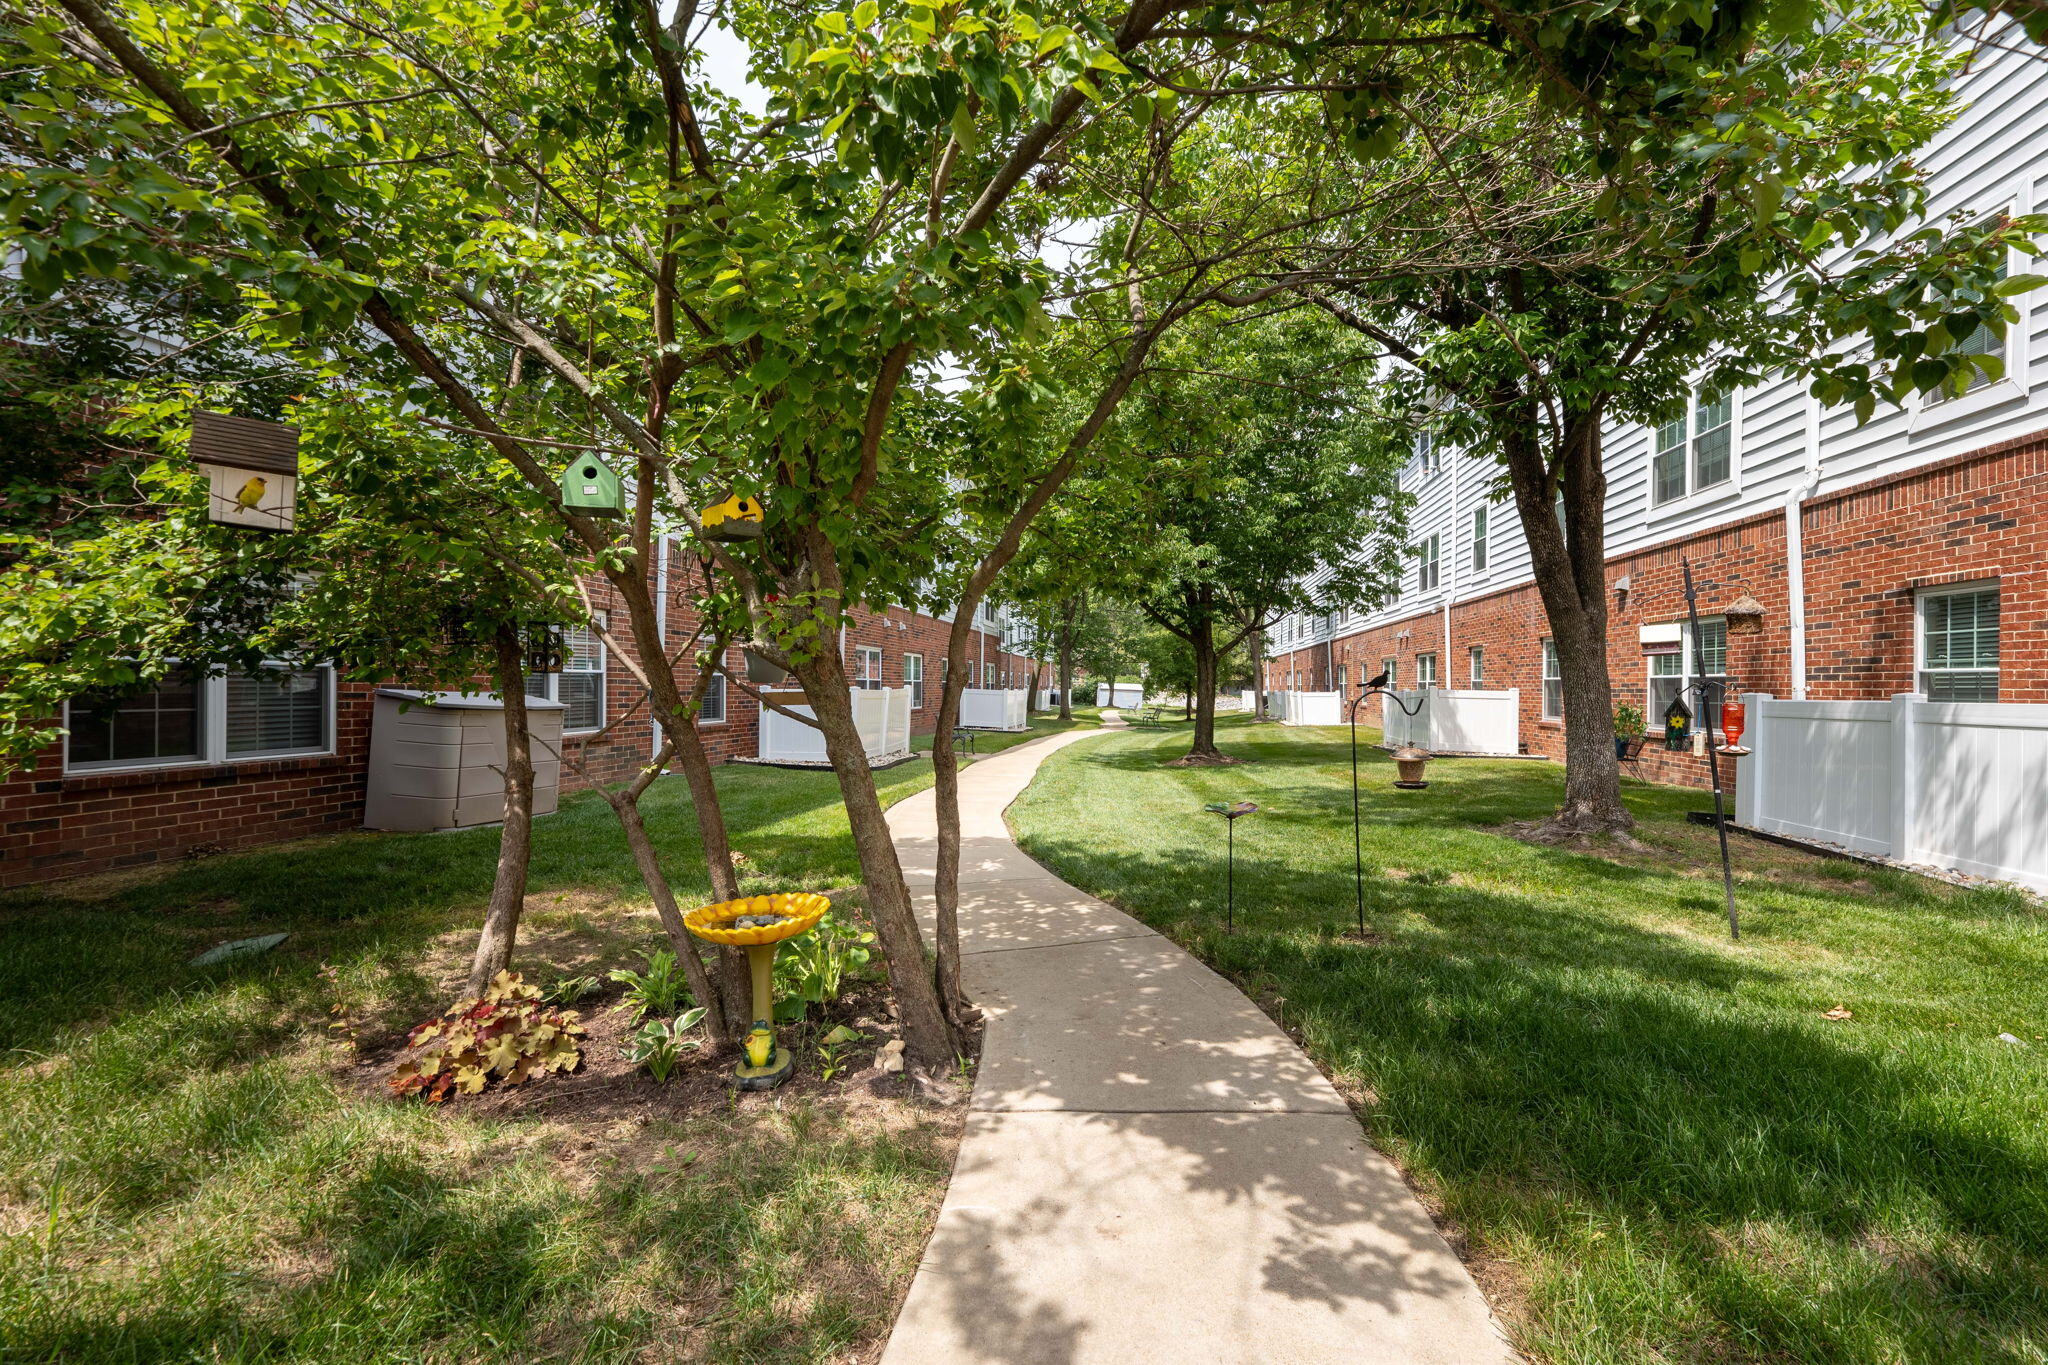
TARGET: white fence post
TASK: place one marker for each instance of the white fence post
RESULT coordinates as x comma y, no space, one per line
1905,776
1749,770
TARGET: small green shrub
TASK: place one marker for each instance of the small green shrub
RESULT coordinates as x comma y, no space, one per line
567,990
661,1043
811,969
509,1032
656,991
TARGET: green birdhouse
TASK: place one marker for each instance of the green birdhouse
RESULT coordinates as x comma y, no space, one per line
591,488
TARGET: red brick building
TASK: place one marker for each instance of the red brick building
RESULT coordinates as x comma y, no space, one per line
202,765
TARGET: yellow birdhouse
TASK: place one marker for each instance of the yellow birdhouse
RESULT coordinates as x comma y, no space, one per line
737,518
251,468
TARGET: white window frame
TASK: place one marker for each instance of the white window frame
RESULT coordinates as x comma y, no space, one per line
551,683
1695,699
1475,665
1694,492
1552,671
1425,671
717,687
1429,456
868,673
914,680
1929,413
1392,668
211,704
1482,527
1429,562
1922,598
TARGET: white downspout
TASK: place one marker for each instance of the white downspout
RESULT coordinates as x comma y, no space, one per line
661,631
1795,549
1444,674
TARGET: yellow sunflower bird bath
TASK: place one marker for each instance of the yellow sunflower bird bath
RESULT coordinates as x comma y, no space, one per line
758,924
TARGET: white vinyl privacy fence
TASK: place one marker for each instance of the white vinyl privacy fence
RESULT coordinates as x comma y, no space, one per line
1958,785
881,714
990,708
1305,708
1454,721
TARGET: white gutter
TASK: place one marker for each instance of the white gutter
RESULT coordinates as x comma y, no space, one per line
660,630
1795,548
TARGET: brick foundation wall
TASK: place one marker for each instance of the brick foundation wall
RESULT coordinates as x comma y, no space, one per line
1868,549
54,825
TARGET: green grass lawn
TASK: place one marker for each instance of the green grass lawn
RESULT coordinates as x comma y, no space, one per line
187,1171
1657,1146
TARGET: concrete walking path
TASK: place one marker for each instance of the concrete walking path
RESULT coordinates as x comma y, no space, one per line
1151,1170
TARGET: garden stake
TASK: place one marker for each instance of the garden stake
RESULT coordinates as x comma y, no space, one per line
1230,814
1699,663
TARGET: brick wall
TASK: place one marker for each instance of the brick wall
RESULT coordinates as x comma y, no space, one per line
53,825
1868,549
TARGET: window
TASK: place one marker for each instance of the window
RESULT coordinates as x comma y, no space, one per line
913,678
157,724
1426,576
868,662
1672,674
1479,540
1475,665
712,710
1343,673
1428,458
1553,683
1392,668
1695,450
276,712
1959,645
1985,341
580,686
1425,671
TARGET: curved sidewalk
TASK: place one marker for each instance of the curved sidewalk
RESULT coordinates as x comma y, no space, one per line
1151,1170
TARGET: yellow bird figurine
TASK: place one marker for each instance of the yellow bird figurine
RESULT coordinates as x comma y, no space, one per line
251,494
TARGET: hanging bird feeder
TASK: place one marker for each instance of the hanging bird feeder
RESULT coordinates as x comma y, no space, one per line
251,468
1734,716
1677,725
590,489
737,518
758,924
1411,762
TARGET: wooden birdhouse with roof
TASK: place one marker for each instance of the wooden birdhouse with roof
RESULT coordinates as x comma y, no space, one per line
251,468
589,488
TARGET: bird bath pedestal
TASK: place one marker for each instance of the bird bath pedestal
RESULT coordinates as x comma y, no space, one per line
758,924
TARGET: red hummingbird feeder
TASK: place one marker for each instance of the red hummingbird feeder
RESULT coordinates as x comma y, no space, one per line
1733,715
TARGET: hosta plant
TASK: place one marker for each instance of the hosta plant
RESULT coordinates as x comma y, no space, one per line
510,1033
656,991
661,1043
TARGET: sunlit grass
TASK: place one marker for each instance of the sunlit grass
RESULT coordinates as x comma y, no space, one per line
1652,1133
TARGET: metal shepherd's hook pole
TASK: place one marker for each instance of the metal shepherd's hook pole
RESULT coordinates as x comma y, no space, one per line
1357,837
1699,660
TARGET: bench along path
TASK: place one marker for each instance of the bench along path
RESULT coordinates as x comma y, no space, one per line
1151,1170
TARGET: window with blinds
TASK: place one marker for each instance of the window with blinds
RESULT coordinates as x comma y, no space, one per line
277,710
1959,645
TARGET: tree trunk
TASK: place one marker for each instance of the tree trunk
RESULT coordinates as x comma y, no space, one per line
1067,661
735,985
1569,562
720,1024
946,878
515,836
1204,646
1259,673
926,1033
